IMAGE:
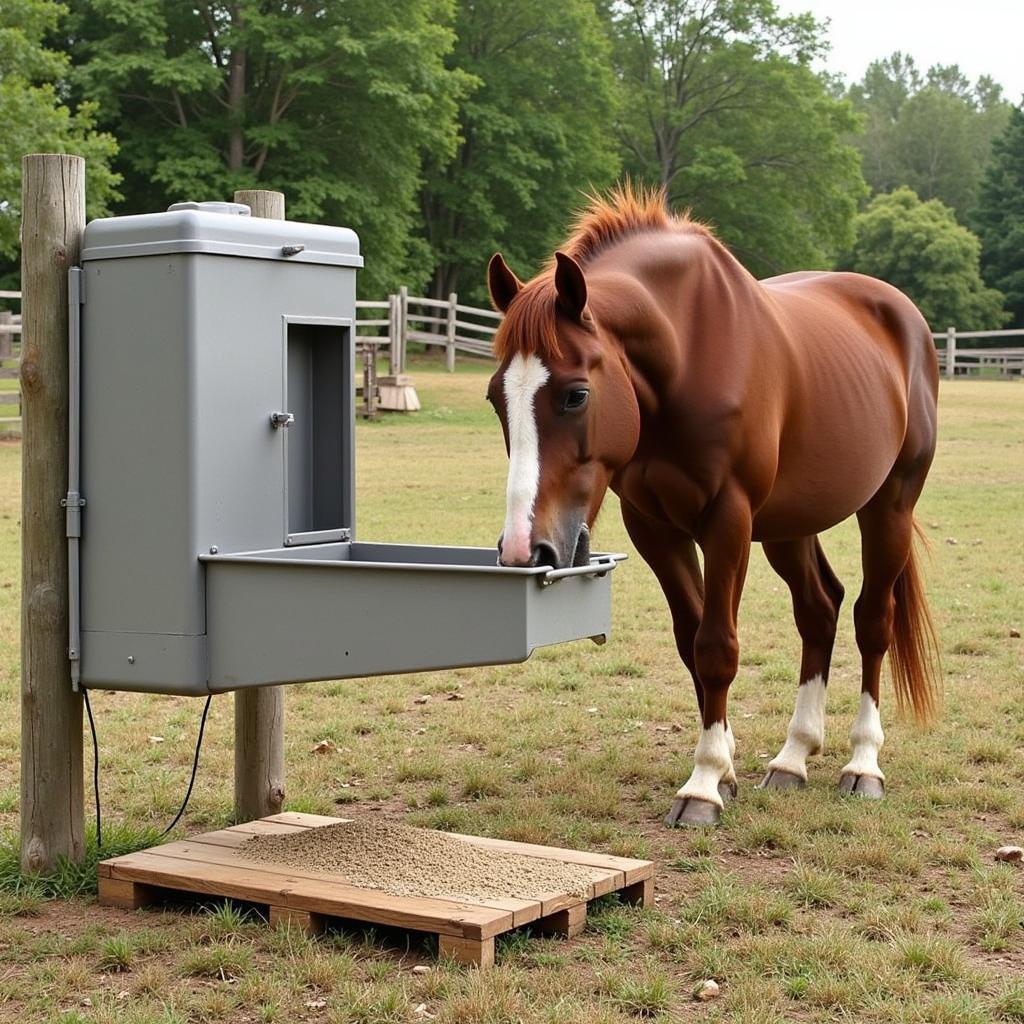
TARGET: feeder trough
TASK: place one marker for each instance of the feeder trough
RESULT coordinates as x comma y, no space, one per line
211,508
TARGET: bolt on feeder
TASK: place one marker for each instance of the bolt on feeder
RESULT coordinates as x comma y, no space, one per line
211,507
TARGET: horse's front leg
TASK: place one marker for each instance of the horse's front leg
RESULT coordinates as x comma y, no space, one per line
672,556
726,544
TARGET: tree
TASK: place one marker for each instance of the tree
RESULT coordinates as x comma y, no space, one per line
336,104
1000,216
534,135
35,117
932,132
721,109
921,249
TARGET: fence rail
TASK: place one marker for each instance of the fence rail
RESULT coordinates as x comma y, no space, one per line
1001,362
388,325
10,329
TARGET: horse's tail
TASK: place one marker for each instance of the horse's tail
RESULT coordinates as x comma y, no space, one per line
914,653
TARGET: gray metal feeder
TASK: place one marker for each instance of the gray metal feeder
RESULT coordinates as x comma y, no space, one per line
212,439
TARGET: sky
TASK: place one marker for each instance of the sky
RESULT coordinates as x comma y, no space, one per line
982,36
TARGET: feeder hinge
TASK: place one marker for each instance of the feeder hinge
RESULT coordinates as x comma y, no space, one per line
73,503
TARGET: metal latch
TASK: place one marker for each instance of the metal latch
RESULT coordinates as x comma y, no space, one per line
281,419
73,503
292,250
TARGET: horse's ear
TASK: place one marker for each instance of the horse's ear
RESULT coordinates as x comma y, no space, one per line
570,285
502,283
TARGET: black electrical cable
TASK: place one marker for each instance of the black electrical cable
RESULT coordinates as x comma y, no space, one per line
195,768
96,768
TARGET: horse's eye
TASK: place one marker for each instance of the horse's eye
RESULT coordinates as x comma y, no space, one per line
575,399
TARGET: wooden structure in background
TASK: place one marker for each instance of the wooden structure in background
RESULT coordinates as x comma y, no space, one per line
10,328
210,864
982,362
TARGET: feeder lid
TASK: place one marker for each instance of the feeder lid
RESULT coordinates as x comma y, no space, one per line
224,229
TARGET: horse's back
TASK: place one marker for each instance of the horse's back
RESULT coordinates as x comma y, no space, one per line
860,395
863,309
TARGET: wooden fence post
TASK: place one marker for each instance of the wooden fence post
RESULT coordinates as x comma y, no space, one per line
53,218
392,335
370,381
259,712
951,352
403,327
449,348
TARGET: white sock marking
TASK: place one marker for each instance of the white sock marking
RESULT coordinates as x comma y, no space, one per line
712,764
523,379
867,737
806,733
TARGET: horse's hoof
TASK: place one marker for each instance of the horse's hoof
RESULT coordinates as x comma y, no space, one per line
866,786
692,811
727,791
779,778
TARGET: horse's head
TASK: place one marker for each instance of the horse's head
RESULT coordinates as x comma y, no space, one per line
567,409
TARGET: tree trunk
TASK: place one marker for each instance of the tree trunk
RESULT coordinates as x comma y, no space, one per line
236,99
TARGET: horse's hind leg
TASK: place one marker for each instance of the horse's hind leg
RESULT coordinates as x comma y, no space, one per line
887,535
817,595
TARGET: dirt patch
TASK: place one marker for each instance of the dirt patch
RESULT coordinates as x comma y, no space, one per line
406,861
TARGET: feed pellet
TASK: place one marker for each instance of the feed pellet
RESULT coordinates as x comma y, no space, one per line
405,861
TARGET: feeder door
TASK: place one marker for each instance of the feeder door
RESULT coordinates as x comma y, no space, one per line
318,427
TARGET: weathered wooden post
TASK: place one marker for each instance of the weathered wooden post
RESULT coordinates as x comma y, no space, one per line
951,352
393,335
370,381
449,347
403,328
259,712
52,221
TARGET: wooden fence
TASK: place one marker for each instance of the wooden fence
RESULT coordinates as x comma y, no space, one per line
445,323
388,325
10,351
995,362
400,318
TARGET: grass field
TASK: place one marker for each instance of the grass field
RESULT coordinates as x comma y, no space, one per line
803,906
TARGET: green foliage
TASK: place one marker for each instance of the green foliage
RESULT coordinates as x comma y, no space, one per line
35,117
921,249
932,132
720,108
534,133
1000,216
69,880
335,104
443,130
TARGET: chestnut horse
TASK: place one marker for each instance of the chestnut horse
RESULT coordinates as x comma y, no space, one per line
724,410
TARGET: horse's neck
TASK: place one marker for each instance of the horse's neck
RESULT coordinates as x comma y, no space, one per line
660,299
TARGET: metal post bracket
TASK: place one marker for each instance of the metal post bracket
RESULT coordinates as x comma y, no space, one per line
74,503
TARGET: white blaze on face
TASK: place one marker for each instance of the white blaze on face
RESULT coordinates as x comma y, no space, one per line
523,379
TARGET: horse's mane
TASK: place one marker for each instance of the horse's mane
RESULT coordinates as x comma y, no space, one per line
530,324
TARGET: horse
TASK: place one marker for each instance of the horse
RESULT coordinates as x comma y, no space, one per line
724,410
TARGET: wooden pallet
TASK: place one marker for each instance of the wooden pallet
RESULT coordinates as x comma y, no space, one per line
210,864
